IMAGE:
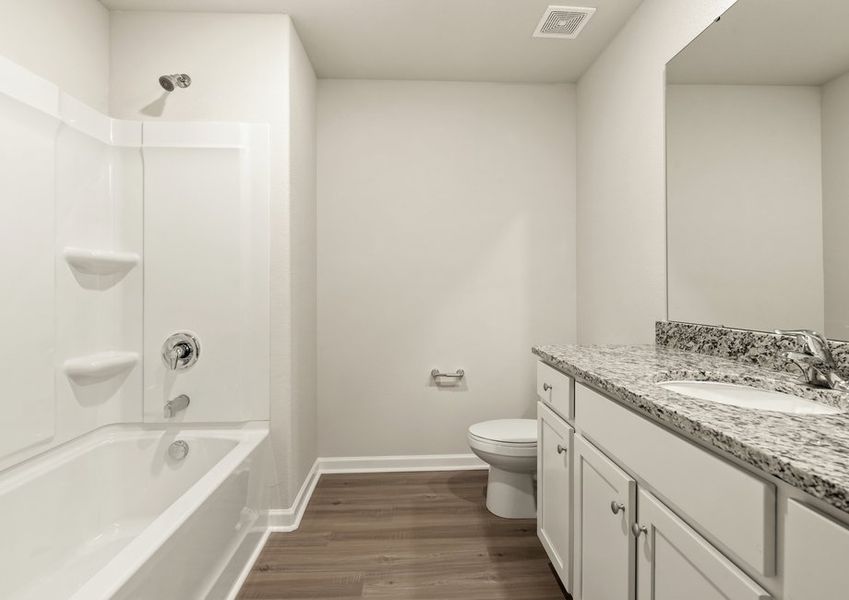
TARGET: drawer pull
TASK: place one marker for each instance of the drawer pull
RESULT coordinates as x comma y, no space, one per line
638,529
615,507
560,449
546,387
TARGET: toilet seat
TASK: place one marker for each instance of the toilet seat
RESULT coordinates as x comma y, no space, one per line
506,431
502,449
505,437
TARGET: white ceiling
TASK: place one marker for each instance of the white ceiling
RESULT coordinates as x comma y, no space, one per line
460,40
769,42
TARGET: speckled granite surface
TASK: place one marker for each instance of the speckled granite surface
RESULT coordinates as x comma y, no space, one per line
808,452
754,347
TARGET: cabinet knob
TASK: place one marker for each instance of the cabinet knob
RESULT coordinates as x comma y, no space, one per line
560,449
546,387
638,529
615,507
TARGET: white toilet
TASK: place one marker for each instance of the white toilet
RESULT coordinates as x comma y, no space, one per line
510,448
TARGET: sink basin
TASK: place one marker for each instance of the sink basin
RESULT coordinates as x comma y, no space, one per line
748,397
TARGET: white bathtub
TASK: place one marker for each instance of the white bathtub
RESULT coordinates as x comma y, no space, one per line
111,515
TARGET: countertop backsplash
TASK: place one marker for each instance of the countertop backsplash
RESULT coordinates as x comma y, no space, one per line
754,347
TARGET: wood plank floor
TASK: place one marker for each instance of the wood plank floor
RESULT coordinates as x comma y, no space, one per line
424,536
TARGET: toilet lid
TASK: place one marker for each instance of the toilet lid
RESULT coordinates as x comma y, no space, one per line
510,431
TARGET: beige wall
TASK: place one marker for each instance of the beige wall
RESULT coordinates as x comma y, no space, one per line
63,41
302,236
835,178
621,172
446,239
745,205
237,63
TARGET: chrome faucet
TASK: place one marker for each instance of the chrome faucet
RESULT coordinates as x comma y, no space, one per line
172,407
181,350
177,353
817,364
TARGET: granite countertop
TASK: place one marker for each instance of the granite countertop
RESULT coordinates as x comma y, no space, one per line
809,452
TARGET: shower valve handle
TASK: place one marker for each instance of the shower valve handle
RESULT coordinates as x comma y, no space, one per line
181,350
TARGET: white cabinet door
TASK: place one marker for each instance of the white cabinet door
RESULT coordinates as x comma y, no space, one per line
816,549
605,509
736,507
554,491
674,562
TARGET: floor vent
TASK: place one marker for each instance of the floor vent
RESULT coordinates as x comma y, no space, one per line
563,22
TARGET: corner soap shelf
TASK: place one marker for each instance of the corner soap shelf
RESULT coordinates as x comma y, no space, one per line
100,262
98,367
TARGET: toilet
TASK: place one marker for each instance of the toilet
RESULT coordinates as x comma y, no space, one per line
509,446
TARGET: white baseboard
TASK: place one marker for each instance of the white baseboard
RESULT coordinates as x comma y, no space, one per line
289,519
400,464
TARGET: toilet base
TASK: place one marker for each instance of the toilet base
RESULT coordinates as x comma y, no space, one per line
511,495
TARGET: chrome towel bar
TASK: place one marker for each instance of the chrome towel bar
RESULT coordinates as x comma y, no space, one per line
437,374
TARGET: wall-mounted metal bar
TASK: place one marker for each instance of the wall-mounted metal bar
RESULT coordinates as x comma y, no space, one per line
437,374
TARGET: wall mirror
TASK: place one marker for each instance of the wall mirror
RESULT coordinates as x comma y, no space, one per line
757,126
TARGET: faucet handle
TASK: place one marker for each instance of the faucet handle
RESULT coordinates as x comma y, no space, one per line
803,335
816,343
181,350
808,364
804,359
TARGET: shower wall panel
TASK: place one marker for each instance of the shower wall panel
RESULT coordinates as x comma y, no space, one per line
206,267
26,269
99,209
71,181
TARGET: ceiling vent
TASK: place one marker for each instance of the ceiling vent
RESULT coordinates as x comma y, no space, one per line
563,22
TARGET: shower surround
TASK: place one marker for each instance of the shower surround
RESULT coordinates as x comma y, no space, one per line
119,233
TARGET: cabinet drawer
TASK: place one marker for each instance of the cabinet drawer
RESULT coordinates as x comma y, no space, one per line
725,502
556,390
815,553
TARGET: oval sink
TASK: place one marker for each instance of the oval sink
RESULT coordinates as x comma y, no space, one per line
745,396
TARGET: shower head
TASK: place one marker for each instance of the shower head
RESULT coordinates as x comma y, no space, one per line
170,82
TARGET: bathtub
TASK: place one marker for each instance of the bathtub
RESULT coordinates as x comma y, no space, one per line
113,515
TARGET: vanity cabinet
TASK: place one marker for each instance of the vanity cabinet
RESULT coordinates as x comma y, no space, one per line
554,490
736,508
658,512
675,562
610,537
605,509
629,545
